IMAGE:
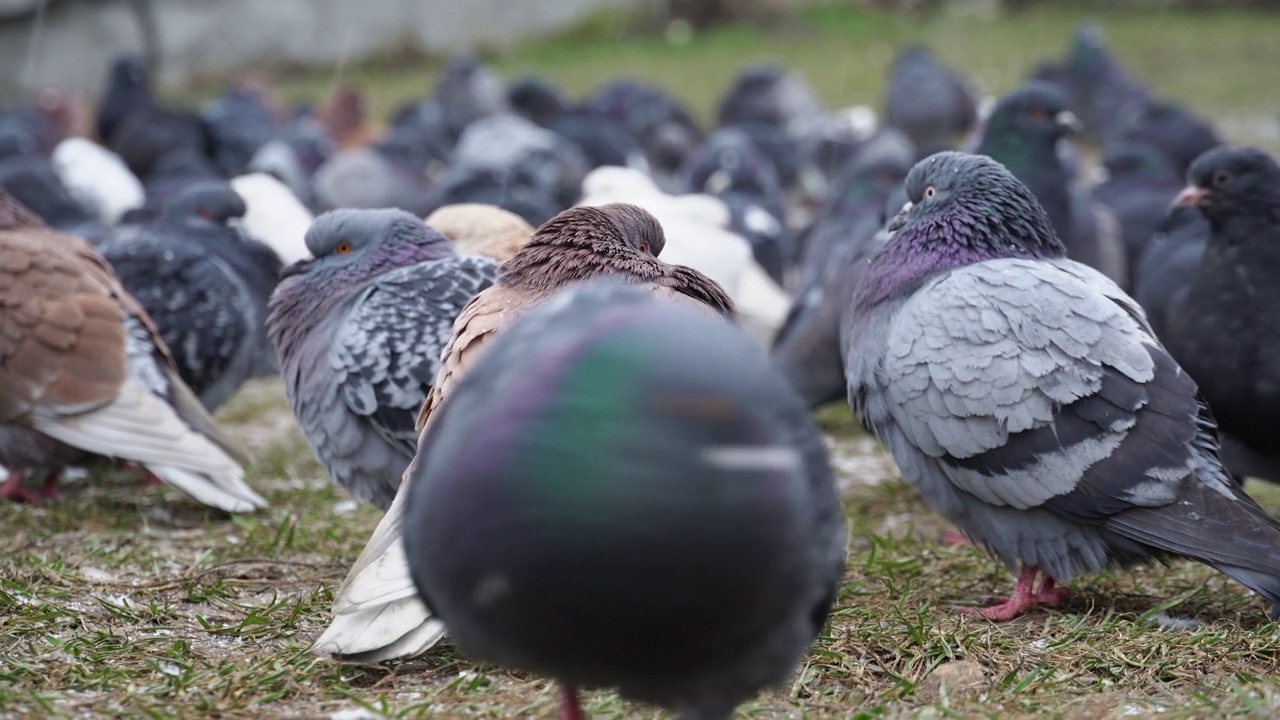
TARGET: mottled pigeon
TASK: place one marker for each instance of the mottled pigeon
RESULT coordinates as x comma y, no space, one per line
359,329
377,614
1027,399
1225,327
84,375
623,493
205,286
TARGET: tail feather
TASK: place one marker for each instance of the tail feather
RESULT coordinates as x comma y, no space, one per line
1217,524
139,426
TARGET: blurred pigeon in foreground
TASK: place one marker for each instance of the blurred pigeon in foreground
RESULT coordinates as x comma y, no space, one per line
86,375
928,101
1026,398
359,329
712,545
1224,328
479,229
377,614
205,286
1022,134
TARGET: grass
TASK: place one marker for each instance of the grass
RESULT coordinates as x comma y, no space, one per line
135,602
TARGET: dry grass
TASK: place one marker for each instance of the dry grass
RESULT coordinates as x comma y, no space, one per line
135,602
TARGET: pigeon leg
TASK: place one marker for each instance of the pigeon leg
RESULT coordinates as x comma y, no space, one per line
49,490
13,489
1025,596
953,538
147,478
570,707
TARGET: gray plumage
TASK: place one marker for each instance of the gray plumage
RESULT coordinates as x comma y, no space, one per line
359,329
1027,398
683,543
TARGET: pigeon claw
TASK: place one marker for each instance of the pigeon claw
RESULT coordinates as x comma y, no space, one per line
14,491
1025,597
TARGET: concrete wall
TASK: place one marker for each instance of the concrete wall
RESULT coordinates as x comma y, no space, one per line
70,42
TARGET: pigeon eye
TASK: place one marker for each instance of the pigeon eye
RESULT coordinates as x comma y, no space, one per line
1221,178
343,248
1037,113
644,248
929,192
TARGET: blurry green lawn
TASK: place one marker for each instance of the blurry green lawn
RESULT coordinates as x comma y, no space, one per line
134,602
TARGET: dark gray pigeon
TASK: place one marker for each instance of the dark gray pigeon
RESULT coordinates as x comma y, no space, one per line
1168,264
928,101
807,348
623,493
1023,133
1140,185
205,285
1225,327
358,329
1027,399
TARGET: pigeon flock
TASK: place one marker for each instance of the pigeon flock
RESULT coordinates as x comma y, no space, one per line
571,347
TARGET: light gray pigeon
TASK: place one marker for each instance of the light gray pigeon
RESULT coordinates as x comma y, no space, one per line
623,493
1026,397
358,330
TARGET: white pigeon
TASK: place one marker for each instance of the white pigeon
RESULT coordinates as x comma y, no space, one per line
97,178
698,235
275,216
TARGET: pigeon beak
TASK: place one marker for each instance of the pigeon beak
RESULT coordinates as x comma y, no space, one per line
1191,196
900,219
1068,121
297,268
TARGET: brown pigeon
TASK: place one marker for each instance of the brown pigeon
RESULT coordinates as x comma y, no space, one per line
377,613
84,374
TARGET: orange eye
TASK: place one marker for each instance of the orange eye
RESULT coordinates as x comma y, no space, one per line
929,192
644,248
1037,113
343,248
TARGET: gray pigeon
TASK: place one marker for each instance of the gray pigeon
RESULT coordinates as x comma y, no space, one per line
359,329
1026,397
622,493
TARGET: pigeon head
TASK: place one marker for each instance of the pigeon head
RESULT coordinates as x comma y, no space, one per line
730,161
1035,114
868,180
1137,159
961,209
350,246
1233,181
128,73
536,99
604,227
212,202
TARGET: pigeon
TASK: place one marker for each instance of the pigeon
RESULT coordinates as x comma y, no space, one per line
479,229
928,101
295,156
84,376
709,554
666,129
97,178
358,329
1140,185
390,173
33,182
698,235
807,348
467,91
516,190
133,125
377,614
345,119
205,286
769,93
1171,128
731,167
1025,396
1222,326
507,143
1022,133
240,122
273,215
601,139
1107,97
1168,264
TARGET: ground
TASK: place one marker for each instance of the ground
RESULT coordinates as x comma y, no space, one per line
132,601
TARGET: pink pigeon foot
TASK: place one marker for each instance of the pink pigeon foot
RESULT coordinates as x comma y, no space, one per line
953,538
570,707
1025,596
13,490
